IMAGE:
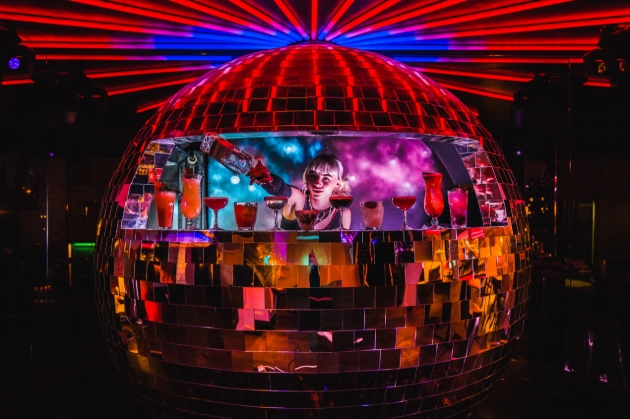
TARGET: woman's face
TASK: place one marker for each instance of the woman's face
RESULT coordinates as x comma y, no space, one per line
321,185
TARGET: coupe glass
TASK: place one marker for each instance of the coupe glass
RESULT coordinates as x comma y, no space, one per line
340,200
403,203
433,199
190,205
276,203
215,203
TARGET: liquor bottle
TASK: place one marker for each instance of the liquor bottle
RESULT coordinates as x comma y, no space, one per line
235,160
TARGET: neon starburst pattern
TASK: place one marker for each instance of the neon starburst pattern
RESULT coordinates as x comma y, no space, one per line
487,48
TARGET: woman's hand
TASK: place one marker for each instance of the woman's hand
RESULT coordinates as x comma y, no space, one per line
259,174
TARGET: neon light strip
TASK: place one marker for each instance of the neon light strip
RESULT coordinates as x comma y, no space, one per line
169,16
15,82
314,10
103,57
260,15
364,16
406,16
213,12
336,16
115,92
93,24
594,83
392,45
528,28
149,107
141,72
287,12
496,60
519,79
153,46
478,92
499,11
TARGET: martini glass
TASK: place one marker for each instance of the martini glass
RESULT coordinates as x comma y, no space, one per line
276,203
215,203
340,200
403,203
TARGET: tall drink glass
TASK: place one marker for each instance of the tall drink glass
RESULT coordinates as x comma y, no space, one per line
458,206
190,205
245,214
164,204
433,199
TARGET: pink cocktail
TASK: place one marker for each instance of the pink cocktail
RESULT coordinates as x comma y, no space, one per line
190,205
458,206
215,203
165,204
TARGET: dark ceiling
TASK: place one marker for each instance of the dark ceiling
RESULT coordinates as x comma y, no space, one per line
123,59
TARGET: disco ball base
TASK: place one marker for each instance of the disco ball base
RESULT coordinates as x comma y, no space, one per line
416,323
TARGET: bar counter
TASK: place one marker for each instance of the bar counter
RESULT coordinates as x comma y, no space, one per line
235,323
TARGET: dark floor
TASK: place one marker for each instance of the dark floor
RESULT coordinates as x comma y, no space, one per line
569,363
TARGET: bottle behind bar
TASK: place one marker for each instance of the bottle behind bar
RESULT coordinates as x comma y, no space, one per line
235,160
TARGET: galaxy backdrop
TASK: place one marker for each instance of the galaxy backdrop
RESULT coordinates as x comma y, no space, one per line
377,168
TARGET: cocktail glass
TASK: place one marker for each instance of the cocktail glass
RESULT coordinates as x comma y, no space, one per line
403,203
372,213
458,206
164,204
215,203
190,205
245,214
340,200
433,199
276,203
306,219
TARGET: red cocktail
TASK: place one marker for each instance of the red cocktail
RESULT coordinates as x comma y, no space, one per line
164,204
215,203
403,203
190,205
245,214
433,199
340,202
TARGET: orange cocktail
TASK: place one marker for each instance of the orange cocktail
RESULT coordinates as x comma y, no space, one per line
190,205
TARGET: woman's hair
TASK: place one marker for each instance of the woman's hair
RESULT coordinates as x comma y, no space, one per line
330,164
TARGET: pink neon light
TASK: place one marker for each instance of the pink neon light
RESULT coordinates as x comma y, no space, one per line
289,14
107,74
406,16
513,60
114,92
260,15
499,11
333,21
362,18
314,9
